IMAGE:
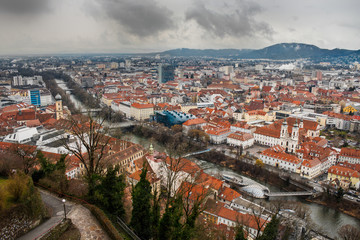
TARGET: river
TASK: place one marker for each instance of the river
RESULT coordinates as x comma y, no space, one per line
329,220
76,102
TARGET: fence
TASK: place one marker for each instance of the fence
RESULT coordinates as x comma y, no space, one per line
127,229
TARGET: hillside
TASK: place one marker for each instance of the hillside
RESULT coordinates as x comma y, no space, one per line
277,52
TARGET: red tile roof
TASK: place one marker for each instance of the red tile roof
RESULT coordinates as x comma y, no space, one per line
195,121
142,106
278,152
343,171
349,152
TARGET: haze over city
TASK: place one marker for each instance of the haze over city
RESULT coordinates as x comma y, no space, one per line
125,26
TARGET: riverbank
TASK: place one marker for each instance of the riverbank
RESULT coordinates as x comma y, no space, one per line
329,219
345,206
261,174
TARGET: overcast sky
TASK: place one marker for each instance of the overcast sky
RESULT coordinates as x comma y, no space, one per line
124,26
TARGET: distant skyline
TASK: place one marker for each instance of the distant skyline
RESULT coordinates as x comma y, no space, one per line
132,26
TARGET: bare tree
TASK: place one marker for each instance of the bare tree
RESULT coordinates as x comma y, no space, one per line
89,146
349,232
27,155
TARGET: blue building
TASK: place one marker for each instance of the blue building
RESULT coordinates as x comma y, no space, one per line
166,73
171,118
35,97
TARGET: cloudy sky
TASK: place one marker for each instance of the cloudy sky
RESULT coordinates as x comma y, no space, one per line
95,26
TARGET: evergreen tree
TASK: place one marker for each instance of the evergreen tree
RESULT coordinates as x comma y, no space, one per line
189,226
141,213
155,217
339,194
165,225
110,192
240,234
271,229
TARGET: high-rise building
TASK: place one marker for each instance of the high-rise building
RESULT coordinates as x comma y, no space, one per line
319,75
35,98
166,73
127,63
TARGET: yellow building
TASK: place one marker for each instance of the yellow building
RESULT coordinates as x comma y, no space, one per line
186,107
258,115
342,173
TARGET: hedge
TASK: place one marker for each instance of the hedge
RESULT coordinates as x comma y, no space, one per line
57,231
105,222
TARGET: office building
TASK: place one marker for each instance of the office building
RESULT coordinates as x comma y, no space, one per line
166,73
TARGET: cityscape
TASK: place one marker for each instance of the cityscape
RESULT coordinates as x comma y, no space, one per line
167,120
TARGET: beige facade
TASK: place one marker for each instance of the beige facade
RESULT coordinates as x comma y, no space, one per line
141,112
186,108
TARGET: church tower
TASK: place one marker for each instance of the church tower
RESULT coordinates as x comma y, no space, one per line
151,149
295,131
58,107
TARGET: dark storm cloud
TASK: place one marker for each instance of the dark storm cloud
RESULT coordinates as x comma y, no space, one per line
141,18
24,7
236,21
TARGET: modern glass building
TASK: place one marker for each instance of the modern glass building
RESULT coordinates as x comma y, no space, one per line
35,97
166,73
171,118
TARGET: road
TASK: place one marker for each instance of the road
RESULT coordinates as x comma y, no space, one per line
57,214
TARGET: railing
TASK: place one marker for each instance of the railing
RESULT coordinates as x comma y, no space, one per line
127,229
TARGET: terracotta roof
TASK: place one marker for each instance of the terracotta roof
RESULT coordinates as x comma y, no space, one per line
142,106
311,163
228,194
241,136
278,152
349,152
344,171
195,121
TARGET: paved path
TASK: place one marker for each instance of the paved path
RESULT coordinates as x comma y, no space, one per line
80,216
87,224
57,208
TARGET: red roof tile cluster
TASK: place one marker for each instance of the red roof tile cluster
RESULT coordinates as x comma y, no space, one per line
195,121
142,106
241,136
349,152
344,171
278,152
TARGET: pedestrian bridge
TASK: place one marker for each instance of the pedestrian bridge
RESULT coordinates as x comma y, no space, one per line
287,194
195,153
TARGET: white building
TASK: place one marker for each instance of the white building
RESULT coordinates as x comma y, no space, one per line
238,139
21,135
277,157
218,135
349,155
286,133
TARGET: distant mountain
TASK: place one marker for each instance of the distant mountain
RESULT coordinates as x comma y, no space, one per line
187,52
279,51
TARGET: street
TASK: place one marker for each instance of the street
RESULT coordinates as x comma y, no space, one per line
57,214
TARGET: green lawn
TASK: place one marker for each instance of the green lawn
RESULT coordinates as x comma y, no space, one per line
2,181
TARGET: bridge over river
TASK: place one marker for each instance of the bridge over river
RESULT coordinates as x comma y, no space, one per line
258,190
287,194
